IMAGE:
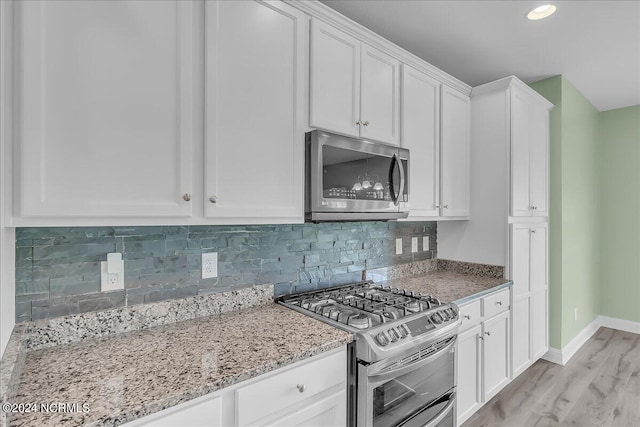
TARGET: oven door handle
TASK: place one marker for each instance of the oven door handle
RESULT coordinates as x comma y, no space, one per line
445,411
385,376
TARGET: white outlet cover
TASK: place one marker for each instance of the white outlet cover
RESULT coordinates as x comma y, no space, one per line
398,246
209,265
111,281
414,244
425,243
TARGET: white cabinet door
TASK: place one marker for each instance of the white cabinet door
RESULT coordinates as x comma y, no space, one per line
328,412
529,156
454,151
521,335
539,324
520,259
496,354
421,135
538,256
105,108
254,148
469,397
380,96
539,154
520,156
335,80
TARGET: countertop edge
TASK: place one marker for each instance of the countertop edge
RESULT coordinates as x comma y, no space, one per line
478,295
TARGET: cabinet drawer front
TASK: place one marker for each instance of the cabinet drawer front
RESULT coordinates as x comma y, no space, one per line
496,303
259,400
470,315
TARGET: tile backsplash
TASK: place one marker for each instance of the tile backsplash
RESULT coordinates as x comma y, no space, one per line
58,269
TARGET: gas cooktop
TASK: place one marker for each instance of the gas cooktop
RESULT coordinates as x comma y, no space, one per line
385,320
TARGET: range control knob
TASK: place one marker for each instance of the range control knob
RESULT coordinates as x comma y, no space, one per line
395,336
382,339
402,331
436,318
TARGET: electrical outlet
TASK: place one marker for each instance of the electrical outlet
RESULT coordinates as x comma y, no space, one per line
575,313
425,243
414,244
112,272
210,265
398,246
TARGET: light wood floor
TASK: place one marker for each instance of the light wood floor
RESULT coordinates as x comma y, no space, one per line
600,386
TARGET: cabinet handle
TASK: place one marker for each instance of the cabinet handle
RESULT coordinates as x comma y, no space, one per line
187,197
359,122
213,199
466,316
301,388
488,333
366,123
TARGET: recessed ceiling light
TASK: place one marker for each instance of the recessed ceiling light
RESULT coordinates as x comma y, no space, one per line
541,12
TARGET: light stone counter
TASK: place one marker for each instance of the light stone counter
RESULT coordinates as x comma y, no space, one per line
128,375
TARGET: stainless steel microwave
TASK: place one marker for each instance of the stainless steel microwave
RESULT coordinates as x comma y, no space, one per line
351,179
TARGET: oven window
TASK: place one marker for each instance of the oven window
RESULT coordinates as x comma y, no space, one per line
405,395
355,175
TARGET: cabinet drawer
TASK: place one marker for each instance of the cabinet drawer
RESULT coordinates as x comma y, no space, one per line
281,390
470,315
496,303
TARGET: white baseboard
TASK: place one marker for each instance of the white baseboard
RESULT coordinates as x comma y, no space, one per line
620,324
562,356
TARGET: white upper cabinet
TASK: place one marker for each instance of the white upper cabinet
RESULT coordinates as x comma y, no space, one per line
529,155
254,130
335,80
420,127
105,116
355,88
455,153
379,96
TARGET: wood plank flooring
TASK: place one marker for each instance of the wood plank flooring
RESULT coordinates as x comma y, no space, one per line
600,386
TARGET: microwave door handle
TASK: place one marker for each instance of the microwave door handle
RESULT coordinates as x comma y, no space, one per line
392,192
400,196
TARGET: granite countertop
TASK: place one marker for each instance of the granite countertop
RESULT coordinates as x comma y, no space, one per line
449,286
127,375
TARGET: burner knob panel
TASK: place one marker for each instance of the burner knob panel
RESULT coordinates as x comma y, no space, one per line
382,339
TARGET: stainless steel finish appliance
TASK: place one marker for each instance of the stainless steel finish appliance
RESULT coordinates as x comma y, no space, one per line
353,179
404,354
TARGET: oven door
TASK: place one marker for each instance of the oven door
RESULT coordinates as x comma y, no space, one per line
417,389
355,179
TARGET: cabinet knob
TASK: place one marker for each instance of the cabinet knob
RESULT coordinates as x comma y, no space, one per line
533,231
466,316
358,123
213,199
488,333
366,123
187,197
301,388
481,338
445,207
499,302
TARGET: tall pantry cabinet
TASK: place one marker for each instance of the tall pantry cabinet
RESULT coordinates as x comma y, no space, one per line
510,201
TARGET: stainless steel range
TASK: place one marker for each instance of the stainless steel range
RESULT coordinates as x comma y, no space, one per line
403,370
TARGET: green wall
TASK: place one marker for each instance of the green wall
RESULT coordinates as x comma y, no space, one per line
574,219
594,222
619,136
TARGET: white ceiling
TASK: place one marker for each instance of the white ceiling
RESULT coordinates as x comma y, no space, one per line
594,44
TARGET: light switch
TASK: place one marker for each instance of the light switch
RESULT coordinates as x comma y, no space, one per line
425,243
414,244
398,246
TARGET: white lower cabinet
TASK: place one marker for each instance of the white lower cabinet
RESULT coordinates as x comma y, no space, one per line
483,365
307,393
